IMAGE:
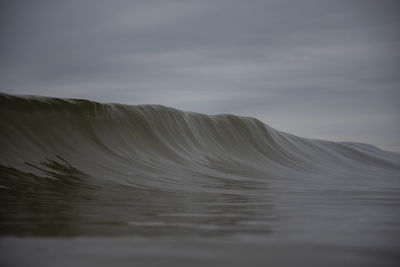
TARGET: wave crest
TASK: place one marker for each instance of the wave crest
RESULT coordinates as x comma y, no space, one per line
157,146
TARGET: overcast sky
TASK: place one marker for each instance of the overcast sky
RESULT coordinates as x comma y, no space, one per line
314,68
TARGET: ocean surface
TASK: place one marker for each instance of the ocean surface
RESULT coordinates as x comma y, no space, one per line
90,184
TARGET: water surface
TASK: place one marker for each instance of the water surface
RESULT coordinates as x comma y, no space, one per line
84,183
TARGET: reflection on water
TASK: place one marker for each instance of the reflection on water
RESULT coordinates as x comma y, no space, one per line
65,201
259,222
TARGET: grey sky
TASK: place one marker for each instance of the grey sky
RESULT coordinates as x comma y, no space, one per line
315,68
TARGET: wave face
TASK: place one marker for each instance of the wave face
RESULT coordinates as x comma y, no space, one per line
72,167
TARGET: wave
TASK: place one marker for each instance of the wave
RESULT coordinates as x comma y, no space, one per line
153,146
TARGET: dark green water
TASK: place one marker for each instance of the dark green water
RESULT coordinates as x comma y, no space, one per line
83,183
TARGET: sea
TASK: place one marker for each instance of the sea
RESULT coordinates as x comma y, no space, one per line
90,184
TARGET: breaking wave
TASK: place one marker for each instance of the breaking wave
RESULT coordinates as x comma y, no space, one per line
155,146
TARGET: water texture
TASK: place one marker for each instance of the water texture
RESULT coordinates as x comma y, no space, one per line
158,186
